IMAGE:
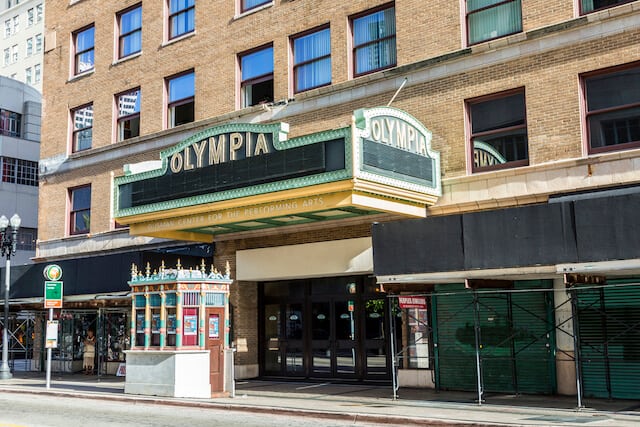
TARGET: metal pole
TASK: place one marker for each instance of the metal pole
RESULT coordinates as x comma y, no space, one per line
476,317
5,371
576,344
392,339
49,354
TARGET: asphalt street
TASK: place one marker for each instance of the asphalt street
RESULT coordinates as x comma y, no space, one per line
22,410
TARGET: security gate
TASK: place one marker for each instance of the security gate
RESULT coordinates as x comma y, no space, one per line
21,342
511,333
608,322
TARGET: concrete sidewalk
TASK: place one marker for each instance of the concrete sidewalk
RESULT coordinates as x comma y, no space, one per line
357,402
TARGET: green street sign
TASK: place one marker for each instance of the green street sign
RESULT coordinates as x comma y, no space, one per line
53,294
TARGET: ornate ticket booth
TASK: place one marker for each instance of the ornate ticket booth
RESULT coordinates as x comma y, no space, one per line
180,332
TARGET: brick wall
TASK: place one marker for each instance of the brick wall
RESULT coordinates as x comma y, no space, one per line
550,81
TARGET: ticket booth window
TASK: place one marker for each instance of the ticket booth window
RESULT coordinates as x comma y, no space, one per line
140,328
155,327
190,326
171,327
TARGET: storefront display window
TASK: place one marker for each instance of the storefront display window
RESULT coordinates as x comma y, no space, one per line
417,330
116,336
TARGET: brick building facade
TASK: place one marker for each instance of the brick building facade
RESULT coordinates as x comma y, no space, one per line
531,59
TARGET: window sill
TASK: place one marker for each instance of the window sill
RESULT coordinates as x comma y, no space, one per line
179,38
252,11
81,76
126,58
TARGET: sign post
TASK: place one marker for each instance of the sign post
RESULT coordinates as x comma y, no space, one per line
52,299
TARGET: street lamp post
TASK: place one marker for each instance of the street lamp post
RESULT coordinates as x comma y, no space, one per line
8,242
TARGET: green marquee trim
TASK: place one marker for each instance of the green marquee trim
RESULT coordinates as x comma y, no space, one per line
279,131
362,120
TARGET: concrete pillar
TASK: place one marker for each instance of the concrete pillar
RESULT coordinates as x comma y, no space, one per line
565,363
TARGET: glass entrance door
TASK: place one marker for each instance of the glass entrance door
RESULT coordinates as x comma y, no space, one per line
324,328
334,339
283,340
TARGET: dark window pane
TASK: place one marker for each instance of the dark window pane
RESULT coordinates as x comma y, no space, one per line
129,128
591,5
498,131
612,90
617,127
498,113
183,113
81,198
499,148
613,109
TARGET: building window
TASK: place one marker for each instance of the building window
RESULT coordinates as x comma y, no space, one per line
16,24
38,42
27,239
10,123
181,90
613,109
37,73
9,170
490,19
7,28
84,50
130,25
30,17
27,73
181,17
80,216
19,171
252,4
82,127
498,131
7,56
128,114
39,9
417,332
256,69
14,53
30,46
374,41
312,60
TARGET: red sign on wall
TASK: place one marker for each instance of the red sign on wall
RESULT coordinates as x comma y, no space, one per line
412,302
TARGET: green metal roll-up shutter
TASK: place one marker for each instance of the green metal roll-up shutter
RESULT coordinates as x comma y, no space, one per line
609,334
516,338
534,337
454,338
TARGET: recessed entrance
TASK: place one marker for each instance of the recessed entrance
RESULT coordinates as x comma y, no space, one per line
330,328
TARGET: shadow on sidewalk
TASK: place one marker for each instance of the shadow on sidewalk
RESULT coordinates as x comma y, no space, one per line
422,397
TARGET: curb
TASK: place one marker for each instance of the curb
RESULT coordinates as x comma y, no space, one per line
275,410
